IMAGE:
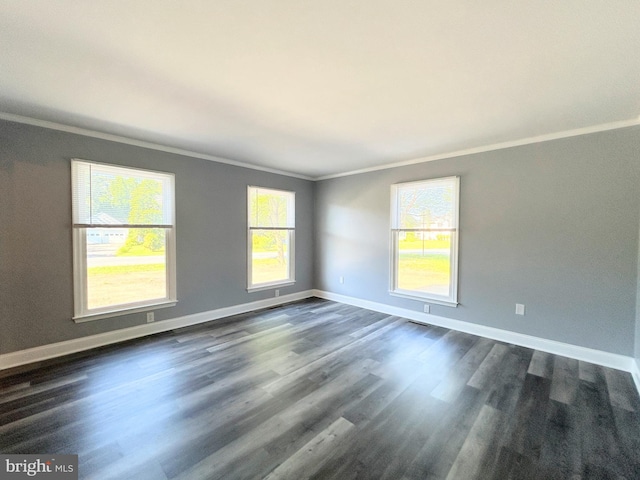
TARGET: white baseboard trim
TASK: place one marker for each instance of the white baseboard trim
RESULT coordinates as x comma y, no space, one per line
635,373
606,359
45,352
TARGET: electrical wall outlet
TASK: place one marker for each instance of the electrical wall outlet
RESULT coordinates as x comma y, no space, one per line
519,309
427,308
150,317
277,293
341,279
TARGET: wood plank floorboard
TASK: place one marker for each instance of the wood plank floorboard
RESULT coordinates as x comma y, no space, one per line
321,390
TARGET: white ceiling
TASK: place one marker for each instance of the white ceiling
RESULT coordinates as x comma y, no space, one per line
322,87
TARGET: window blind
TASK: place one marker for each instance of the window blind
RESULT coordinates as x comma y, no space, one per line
107,196
271,209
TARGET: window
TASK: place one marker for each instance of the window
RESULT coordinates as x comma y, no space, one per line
270,238
424,239
123,239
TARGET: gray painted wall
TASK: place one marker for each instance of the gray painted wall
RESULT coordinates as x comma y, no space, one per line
36,290
637,337
638,343
552,225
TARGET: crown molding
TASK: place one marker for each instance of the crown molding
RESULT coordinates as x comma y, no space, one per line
141,143
496,146
458,153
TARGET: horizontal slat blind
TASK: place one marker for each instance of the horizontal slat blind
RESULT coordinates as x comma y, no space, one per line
271,209
107,196
429,205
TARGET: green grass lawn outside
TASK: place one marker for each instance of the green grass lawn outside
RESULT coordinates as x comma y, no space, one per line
424,273
267,270
113,285
139,251
416,244
122,284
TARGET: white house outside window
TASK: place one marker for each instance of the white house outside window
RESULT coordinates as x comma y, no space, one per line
424,239
271,238
123,239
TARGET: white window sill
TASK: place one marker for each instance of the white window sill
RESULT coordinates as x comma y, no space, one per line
126,311
270,286
424,299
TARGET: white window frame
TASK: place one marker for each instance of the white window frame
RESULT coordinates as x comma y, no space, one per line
450,300
291,280
81,311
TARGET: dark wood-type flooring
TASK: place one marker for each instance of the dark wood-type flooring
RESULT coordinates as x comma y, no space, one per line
321,390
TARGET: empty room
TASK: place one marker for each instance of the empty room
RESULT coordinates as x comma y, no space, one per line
319,240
